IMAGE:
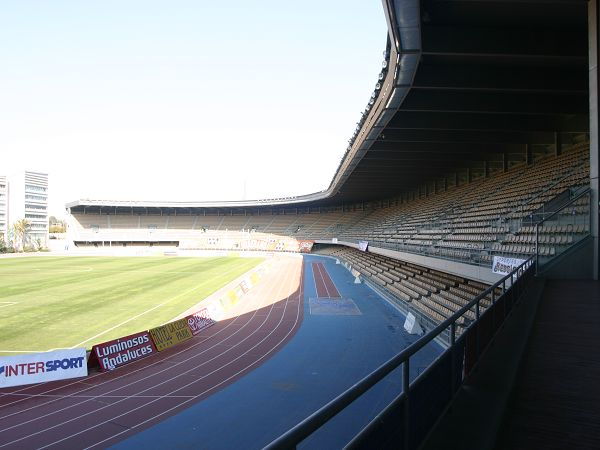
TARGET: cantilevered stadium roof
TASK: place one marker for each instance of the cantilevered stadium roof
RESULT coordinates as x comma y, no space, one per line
468,86
476,84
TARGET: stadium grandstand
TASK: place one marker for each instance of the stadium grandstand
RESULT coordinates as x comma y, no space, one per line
476,154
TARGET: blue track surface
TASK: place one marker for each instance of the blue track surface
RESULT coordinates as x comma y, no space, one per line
328,354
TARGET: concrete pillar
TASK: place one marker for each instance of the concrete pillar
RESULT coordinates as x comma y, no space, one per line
593,85
528,154
557,144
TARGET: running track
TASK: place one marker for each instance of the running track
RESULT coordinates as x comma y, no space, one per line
323,282
105,408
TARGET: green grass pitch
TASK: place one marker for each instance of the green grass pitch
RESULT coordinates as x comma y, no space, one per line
61,302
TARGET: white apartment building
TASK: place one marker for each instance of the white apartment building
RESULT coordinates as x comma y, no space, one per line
27,197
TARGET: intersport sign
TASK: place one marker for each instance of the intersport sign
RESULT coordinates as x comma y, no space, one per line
41,367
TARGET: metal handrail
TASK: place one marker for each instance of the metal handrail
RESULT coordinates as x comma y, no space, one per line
476,255
584,192
569,203
554,184
317,419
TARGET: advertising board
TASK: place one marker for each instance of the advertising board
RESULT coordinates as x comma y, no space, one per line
171,334
115,353
40,367
199,321
305,246
504,265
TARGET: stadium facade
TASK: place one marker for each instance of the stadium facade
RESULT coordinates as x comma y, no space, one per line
479,142
24,195
456,107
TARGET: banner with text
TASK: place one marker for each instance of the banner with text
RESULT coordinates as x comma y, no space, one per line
199,321
112,354
171,334
504,265
41,367
305,246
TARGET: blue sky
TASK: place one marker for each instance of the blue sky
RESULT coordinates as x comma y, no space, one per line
184,100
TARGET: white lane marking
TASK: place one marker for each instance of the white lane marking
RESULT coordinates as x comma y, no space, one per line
92,377
299,296
7,304
142,379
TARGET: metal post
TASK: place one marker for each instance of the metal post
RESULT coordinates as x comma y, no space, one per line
452,354
405,389
493,307
594,135
537,253
477,330
557,144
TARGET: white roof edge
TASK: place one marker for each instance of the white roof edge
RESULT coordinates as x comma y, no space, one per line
206,204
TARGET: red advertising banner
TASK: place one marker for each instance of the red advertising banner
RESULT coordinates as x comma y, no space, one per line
112,354
199,321
305,246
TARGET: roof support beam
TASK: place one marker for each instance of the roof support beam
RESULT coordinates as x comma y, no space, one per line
449,74
462,136
449,148
433,120
494,41
495,102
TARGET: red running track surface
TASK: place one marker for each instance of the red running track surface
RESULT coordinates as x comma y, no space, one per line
104,408
323,282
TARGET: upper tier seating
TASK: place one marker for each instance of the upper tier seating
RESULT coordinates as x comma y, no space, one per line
476,221
472,222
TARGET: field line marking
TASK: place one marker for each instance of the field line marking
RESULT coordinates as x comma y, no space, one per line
139,315
204,362
139,370
7,304
24,351
144,312
176,390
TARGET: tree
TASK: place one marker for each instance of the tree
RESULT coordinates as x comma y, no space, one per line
20,229
56,226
